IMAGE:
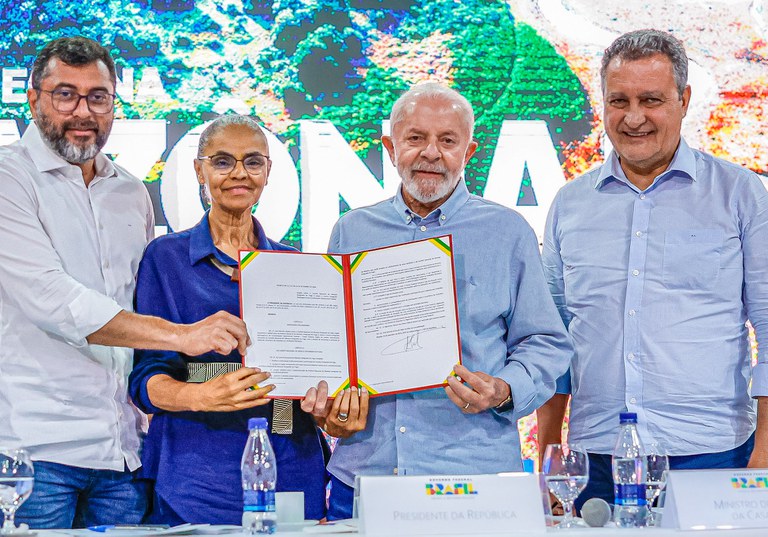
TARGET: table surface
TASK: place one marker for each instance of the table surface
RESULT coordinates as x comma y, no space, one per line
576,532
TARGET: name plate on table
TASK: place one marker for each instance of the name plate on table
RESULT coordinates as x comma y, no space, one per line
469,504
716,499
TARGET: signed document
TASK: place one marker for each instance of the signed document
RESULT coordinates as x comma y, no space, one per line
384,319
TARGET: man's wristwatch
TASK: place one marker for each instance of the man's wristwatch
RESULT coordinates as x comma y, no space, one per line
505,404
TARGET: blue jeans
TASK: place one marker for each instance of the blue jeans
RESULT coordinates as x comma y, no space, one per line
340,500
600,483
71,497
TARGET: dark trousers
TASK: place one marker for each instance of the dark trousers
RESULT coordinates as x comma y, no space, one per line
340,500
600,483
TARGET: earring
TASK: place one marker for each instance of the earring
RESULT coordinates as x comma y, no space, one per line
205,196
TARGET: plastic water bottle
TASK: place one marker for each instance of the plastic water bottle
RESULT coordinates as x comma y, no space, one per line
629,467
259,475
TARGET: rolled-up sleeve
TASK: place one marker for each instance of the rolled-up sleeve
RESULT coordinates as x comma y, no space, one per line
153,297
539,348
34,278
755,254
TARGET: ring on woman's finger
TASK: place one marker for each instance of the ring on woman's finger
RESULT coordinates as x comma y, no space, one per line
466,406
342,417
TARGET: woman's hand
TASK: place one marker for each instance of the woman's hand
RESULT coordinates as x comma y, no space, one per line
233,391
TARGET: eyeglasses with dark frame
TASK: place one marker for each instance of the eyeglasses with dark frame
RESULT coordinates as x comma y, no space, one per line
224,163
67,100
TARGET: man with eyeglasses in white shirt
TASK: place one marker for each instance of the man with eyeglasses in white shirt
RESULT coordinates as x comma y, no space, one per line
73,226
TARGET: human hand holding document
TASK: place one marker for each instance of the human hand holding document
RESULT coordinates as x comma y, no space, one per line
385,319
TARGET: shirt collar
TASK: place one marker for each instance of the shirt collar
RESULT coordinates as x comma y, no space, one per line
683,162
46,159
201,243
458,197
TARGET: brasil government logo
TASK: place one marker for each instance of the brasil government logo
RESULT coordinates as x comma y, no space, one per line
749,481
450,487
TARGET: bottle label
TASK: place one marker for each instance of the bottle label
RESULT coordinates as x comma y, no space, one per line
259,501
629,494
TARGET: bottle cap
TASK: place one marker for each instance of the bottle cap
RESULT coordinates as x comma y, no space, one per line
257,423
626,417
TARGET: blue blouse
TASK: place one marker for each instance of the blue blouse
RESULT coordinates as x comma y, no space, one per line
194,457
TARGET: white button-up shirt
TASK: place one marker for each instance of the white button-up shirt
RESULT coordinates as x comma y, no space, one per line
68,260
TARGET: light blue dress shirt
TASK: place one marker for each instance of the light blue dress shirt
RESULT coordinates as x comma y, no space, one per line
509,329
656,287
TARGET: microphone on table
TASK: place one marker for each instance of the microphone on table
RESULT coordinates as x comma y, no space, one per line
596,512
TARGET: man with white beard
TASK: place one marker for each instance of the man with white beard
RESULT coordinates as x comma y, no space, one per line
73,226
513,343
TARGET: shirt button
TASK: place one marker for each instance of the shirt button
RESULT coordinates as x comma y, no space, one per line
402,429
442,217
639,233
631,356
408,218
423,228
642,196
632,313
633,400
106,264
635,272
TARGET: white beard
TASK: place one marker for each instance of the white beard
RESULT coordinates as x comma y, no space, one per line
428,190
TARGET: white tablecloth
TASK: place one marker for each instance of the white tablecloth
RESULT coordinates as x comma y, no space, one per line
586,532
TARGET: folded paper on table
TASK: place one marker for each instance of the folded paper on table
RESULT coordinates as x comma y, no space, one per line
443,505
716,499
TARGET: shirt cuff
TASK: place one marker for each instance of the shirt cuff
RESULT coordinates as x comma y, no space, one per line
90,311
760,380
146,402
521,387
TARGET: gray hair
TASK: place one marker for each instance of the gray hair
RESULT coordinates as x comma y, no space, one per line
432,91
221,123
644,43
